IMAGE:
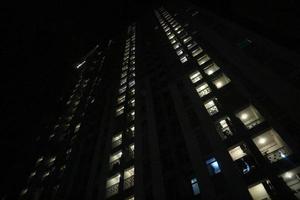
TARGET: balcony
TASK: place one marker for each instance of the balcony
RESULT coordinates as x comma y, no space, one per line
112,190
128,182
278,154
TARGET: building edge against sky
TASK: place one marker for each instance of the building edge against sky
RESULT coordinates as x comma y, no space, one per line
182,105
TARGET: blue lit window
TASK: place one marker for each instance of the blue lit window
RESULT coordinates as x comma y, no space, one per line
213,166
195,186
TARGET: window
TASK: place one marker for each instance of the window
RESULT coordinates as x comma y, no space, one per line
117,140
243,161
131,150
122,89
119,110
131,83
223,128
186,40
123,81
171,36
250,117
203,89
77,127
179,31
191,45
121,99
112,185
124,68
196,51
173,41
271,145
123,74
179,52
131,130
211,106
131,115
131,103
129,178
176,46
115,159
258,192
203,59
221,80
130,198
210,69
177,27
292,179
168,33
195,76
132,91
183,58
195,186
213,166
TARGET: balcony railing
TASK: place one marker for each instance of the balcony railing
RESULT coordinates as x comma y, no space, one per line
254,123
116,143
278,154
112,190
128,182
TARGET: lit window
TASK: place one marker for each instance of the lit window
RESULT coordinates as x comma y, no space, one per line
177,27
168,33
123,81
130,198
203,89
116,140
183,58
131,102
173,41
221,80
179,52
119,110
131,83
176,46
250,117
223,128
124,68
211,107
171,36
112,185
203,59
186,40
114,159
129,178
123,74
131,130
131,151
292,179
122,89
195,76
179,31
131,115
241,158
272,146
213,166
258,192
196,52
191,45
212,68
195,186
77,127
132,91
121,99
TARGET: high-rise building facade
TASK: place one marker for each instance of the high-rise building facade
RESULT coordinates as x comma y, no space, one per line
182,105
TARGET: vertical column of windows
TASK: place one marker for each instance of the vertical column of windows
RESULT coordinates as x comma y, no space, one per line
122,152
206,80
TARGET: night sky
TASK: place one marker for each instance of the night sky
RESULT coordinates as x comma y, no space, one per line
39,47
